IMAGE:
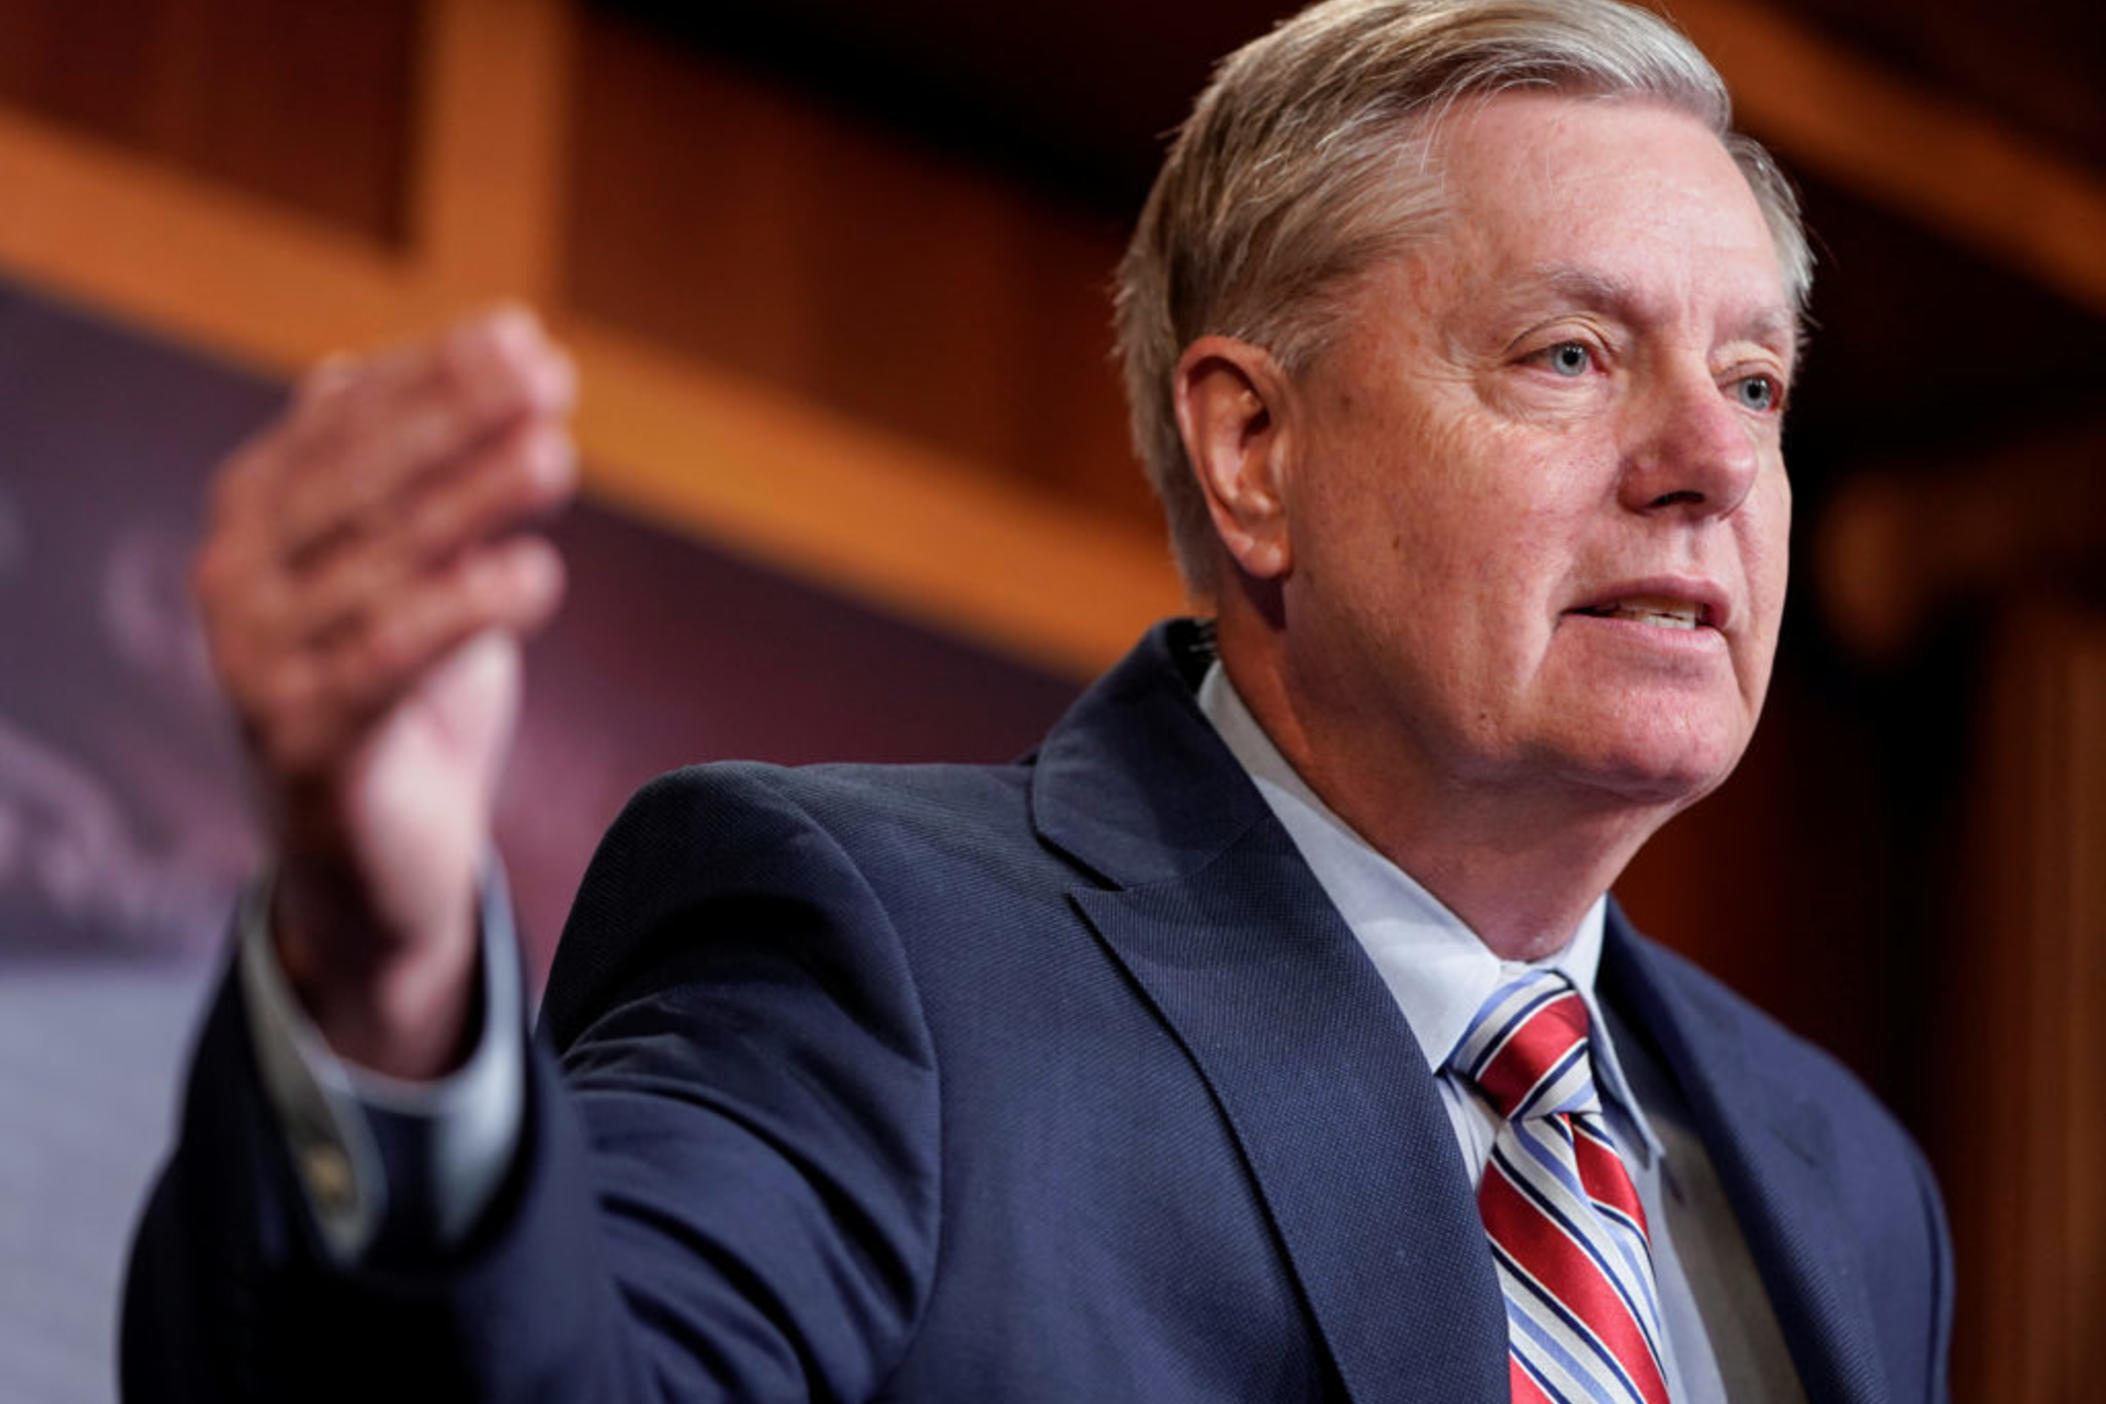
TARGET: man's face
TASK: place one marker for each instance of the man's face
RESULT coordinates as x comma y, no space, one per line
1538,512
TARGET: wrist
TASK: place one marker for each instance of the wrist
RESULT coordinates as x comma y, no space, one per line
406,1008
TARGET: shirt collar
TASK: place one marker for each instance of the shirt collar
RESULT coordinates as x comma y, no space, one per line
1435,967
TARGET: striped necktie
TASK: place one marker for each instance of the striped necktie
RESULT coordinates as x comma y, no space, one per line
1567,1232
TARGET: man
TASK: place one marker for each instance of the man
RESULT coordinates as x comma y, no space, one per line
1266,1034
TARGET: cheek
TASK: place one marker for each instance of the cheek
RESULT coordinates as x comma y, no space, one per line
1514,516
1765,551
1471,488
1438,525
1766,545
1492,536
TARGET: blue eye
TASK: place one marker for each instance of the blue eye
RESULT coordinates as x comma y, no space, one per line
1569,358
1757,392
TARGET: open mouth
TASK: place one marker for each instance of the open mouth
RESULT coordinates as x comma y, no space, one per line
1657,611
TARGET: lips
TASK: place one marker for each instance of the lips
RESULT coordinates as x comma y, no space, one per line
1660,605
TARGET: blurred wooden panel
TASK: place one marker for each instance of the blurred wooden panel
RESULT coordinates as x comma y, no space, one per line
1075,423
306,103
2024,1052
774,236
493,119
1955,167
690,205
2035,63
1873,392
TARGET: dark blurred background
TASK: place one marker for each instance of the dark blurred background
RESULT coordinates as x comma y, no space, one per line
858,485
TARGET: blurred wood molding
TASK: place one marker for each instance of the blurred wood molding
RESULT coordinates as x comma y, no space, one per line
486,211
1900,545
688,444
1948,166
231,274
2025,1057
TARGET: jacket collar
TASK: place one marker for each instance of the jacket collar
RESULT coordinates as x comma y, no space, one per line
1133,783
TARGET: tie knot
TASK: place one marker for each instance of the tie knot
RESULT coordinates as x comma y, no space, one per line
1527,1049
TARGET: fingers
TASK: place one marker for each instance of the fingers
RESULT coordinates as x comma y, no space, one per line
522,474
359,440
360,435
372,529
308,707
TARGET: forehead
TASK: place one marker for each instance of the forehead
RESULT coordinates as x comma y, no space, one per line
1628,200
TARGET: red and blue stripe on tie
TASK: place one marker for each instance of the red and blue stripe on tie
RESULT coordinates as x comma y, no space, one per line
1568,1234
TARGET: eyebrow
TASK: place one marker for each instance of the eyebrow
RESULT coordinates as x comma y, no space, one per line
1773,324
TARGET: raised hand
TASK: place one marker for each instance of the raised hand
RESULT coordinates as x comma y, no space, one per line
368,572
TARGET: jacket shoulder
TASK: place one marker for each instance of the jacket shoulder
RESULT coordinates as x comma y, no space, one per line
729,798
744,848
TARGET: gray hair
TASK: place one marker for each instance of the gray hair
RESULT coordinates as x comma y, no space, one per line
1310,156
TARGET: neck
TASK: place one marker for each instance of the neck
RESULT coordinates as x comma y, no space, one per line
1519,863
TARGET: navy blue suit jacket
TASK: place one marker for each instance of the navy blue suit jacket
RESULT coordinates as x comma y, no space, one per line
1059,1081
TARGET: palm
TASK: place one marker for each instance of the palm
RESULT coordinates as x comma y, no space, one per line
419,790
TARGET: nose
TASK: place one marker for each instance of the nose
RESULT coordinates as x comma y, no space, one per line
1689,448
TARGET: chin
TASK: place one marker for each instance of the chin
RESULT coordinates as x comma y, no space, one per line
1655,771
1668,791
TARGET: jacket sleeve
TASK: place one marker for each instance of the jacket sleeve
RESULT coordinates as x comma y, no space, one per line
728,1179
451,1139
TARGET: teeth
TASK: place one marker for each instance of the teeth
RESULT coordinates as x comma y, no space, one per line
1660,614
1656,618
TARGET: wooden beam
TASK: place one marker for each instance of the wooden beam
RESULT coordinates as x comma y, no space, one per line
780,479
1946,165
237,276
486,210
880,516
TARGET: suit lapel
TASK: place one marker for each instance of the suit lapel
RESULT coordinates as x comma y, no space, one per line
1776,1158
1213,913
1334,1110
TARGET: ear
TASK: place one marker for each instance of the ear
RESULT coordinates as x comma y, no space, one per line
1231,400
